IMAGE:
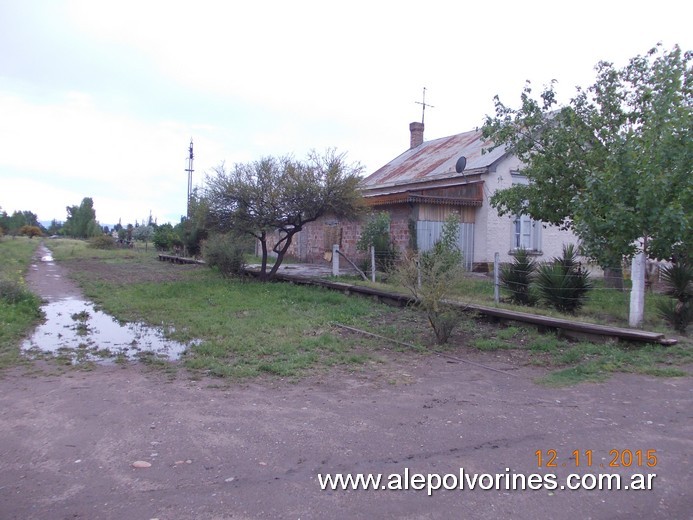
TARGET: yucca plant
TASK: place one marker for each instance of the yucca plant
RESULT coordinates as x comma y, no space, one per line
563,284
678,283
516,278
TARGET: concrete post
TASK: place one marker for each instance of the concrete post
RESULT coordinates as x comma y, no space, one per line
637,293
335,260
373,264
496,277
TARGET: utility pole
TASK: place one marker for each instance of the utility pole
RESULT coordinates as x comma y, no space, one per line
190,172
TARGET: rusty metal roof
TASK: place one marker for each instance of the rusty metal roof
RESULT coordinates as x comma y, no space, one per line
435,160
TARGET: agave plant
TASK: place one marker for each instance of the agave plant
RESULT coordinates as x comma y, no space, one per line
516,278
563,284
678,282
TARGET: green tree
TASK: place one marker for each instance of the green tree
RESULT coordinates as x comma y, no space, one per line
164,237
143,233
13,223
193,230
81,220
615,164
54,228
281,195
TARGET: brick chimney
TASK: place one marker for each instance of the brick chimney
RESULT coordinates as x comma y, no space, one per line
416,130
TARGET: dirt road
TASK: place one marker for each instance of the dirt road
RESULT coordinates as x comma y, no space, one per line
68,441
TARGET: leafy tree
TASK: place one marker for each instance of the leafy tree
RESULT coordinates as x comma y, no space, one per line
281,195
143,233
164,237
13,223
193,230
614,165
81,220
54,228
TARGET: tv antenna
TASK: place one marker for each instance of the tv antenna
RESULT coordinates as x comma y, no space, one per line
423,105
190,172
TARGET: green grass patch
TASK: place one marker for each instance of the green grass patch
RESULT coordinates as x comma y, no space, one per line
245,328
248,329
19,309
490,344
594,362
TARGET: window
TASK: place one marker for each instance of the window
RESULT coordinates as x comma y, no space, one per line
526,233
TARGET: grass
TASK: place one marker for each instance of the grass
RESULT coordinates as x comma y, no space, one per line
19,309
603,305
250,329
570,363
242,328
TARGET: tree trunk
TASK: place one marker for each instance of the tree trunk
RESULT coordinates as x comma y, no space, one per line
263,266
613,278
281,252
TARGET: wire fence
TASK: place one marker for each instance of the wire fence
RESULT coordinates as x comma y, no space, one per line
591,292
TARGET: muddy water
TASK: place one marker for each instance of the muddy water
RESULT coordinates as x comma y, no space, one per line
75,329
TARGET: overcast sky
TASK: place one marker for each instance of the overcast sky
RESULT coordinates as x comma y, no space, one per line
100,98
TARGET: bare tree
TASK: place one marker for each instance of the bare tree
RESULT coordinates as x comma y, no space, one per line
281,194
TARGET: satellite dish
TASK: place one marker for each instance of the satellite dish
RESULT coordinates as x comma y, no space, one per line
461,164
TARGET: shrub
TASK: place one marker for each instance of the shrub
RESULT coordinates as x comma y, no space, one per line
563,284
376,233
517,277
31,231
678,283
430,275
226,253
102,242
14,293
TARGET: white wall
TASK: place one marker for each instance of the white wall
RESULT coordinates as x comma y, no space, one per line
494,233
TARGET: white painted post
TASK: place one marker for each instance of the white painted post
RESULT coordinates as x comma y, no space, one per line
373,264
496,277
418,274
335,260
637,293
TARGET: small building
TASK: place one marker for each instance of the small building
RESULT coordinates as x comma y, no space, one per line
427,183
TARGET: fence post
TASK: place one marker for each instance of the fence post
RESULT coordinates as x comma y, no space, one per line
496,277
335,260
373,264
637,293
418,273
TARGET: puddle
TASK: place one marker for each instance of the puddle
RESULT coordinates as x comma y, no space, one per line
74,328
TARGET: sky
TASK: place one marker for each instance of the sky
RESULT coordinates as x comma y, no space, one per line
101,98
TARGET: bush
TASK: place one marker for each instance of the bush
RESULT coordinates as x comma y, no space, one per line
14,293
376,233
678,283
517,277
563,284
102,242
430,275
31,231
226,253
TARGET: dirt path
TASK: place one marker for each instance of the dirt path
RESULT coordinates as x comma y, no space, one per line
254,450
